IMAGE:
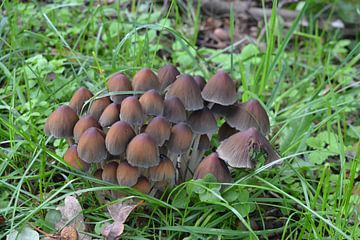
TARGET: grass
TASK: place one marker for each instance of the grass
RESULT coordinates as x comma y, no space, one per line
307,79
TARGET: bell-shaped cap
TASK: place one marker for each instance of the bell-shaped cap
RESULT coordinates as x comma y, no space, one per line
238,150
240,119
165,171
174,110
202,122
256,110
72,158
79,98
186,89
98,106
226,131
142,151
180,138
204,143
167,75
118,137
131,111
143,185
61,122
110,115
127,175
109,172
212,164
91,147
159,129
145,80
200,81
83,124
152,103
220,89
119,82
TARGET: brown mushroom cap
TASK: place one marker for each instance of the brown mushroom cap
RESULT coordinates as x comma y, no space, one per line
83,124
142,151
186,89
174,110
159,130
238,149
180,138
61,122
165,171
145,80
98,106
167,75
240,119
152,103
214,165
200,81
119,82
118,137
72,158
256,110
131,111
91,147
110,115
109,172
127,175
79,98
143,185
202,122
220,89
226,131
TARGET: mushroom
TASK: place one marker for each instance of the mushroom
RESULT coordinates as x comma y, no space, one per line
159,130
225,131
91,147
61,122
72,158
131,112
142,151
127,175
212,164
200,81
152,103
238,150
239,118
167,75
186,89
119,82
110,115
109,173
180,139
220,89
118,137
174,110
145,80
143,185
79,98
98,106
164,173
256,110
83,124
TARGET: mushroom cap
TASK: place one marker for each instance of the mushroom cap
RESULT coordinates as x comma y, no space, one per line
118,137
131,111
142,151
152,103
220,89
72,158
83,124
61,122
204,143
240,119
214,165
226,131
159,129
127,175
186,89
145,80
256,110
109,172
91,147
119,82
202,122
143,185
165,171
110,115
79,98
238,149
98,106
167,75
174,110
200,81
180,138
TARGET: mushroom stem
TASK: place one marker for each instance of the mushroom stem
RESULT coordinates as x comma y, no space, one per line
188,160
194,162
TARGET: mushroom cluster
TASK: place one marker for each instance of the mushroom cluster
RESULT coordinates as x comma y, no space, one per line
152,132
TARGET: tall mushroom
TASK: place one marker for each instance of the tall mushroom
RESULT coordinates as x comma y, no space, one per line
159,130
152,103
91,147
119,82
79,98
118,137
174,110
142,151
145,80
131,112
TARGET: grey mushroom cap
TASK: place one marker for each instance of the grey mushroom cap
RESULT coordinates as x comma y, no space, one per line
131,111
174,110
202,122
167,75
144,80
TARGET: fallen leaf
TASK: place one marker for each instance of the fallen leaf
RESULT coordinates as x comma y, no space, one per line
69,233
113,231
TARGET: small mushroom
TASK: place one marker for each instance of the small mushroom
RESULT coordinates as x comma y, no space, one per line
238,150
131,112
202,122
164,172
83,124
119,82
256,110
91,147
109,173
174,110
127,175
145,80
200,81
152,103
61,122
159,130
98,106
79,98
118,137
240,119
72,158
142,151
180,138
143,185
110,115
167,75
